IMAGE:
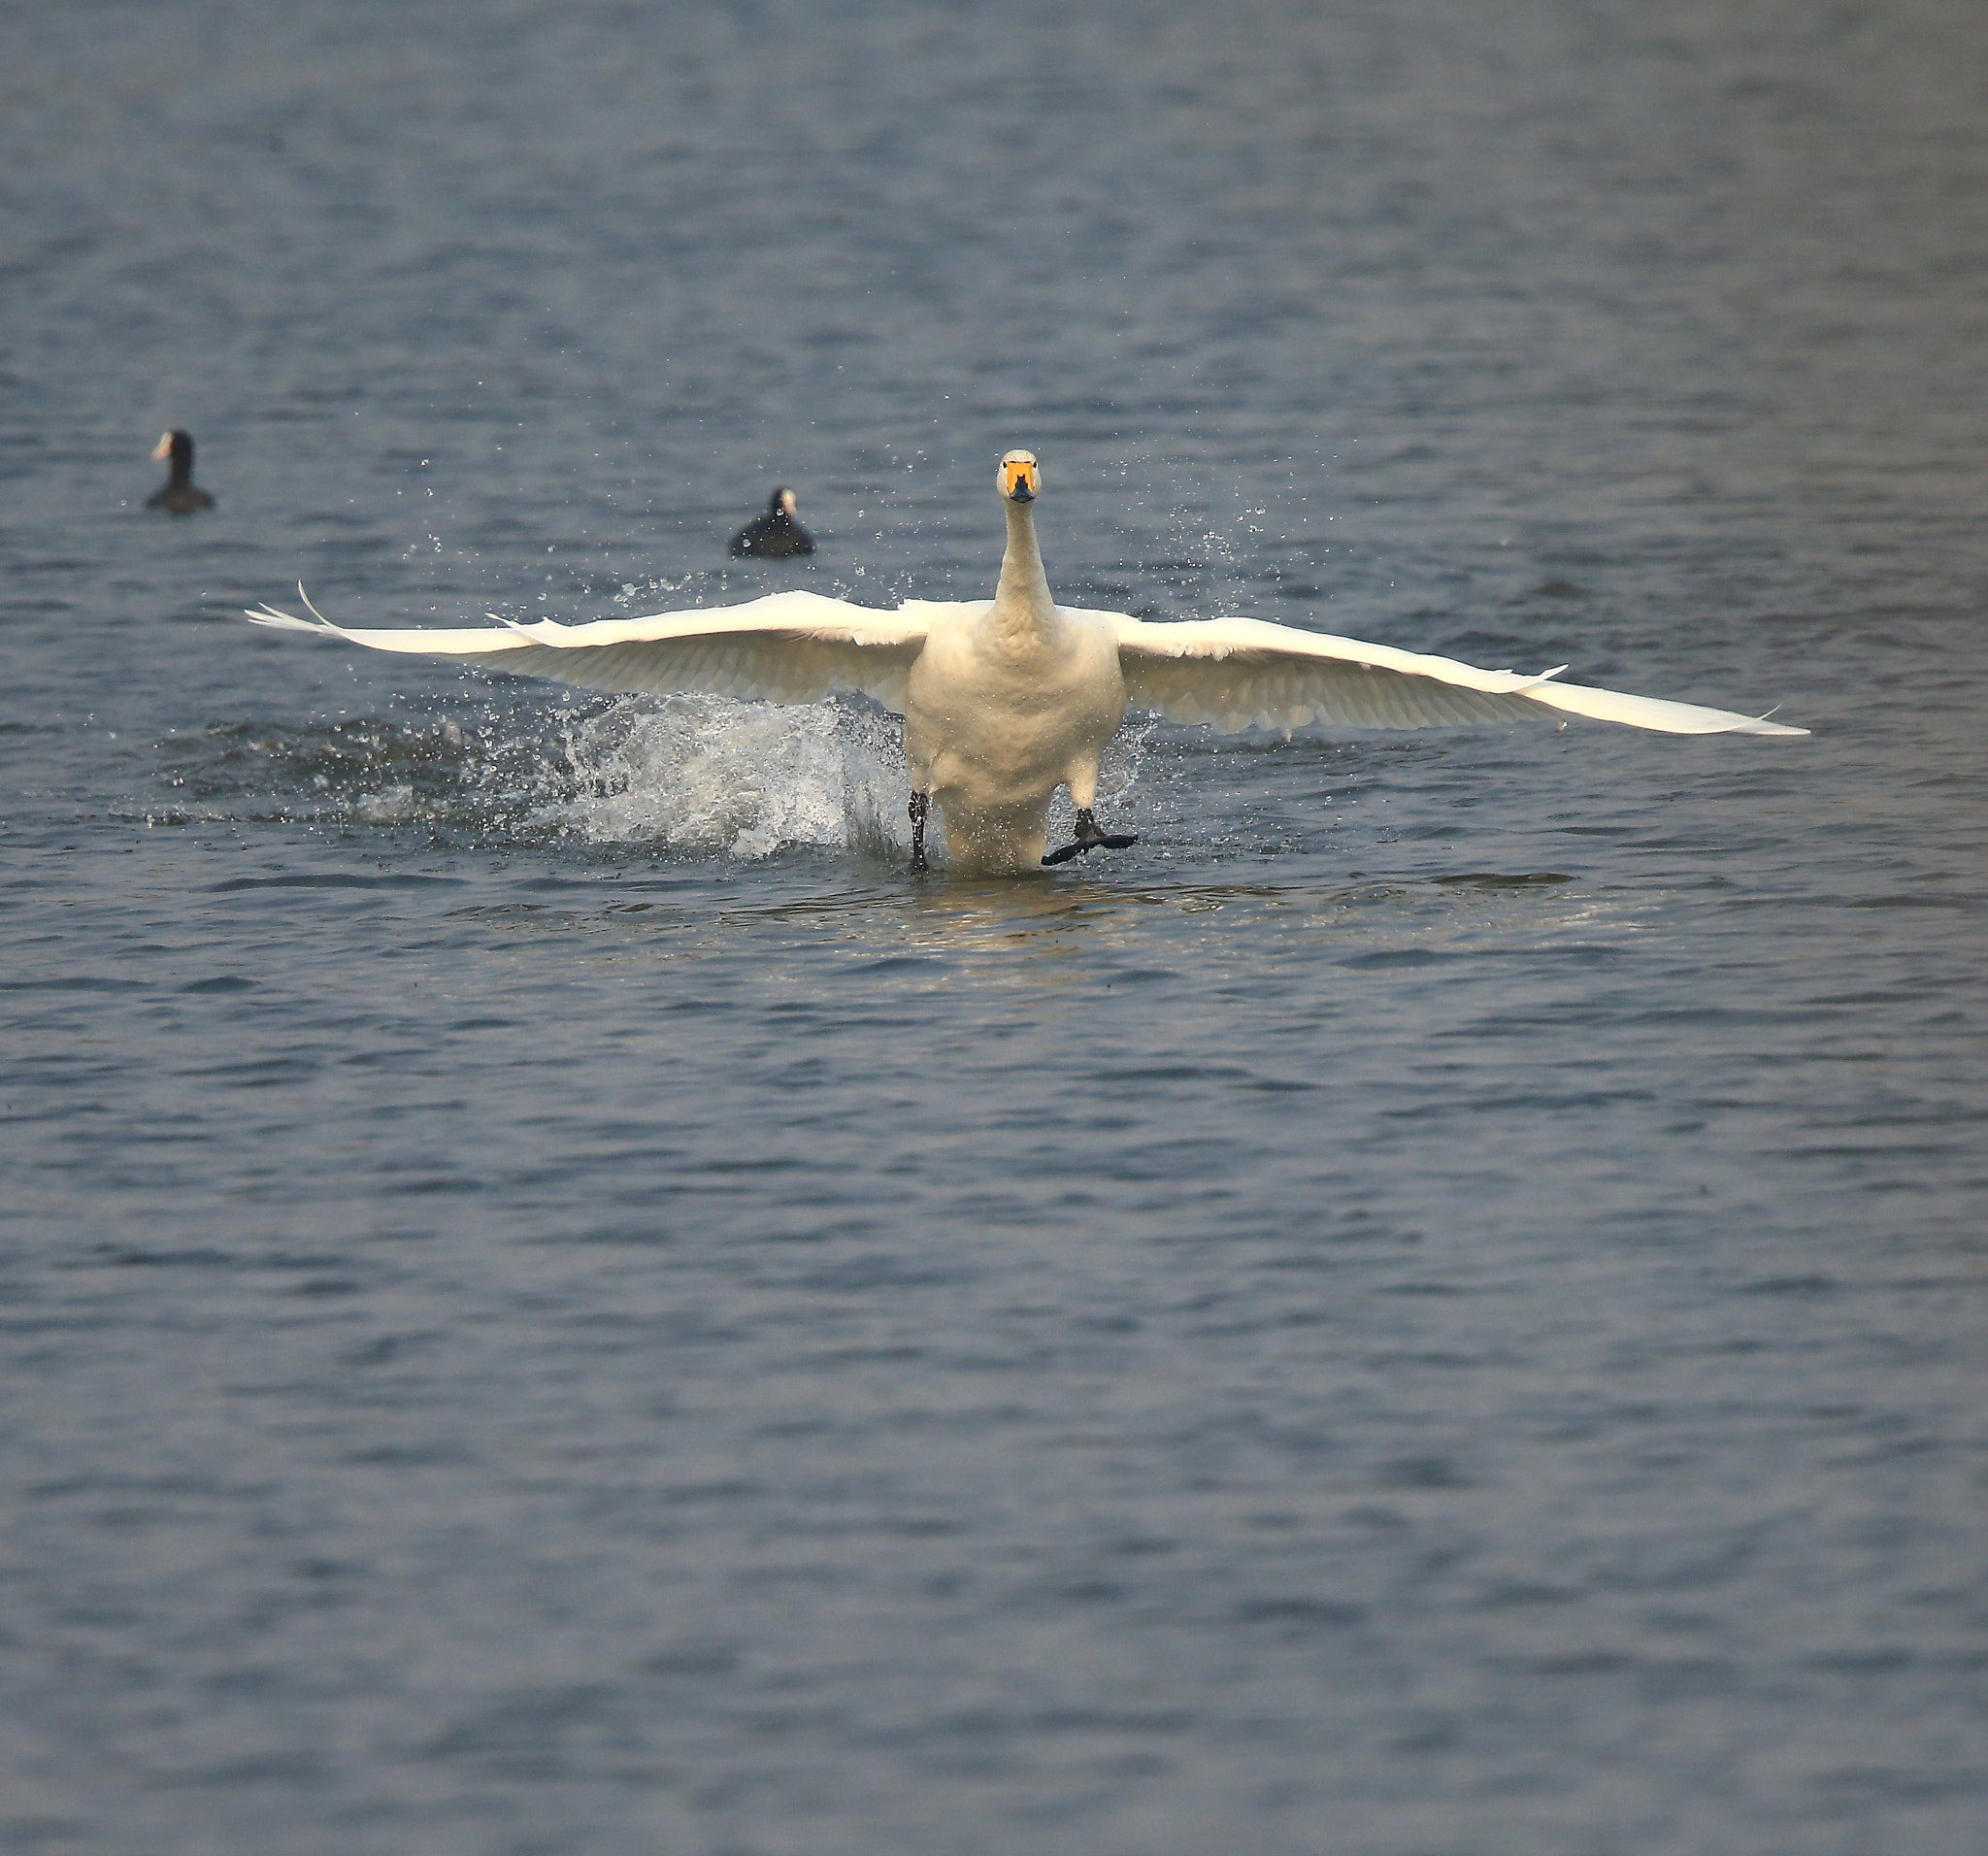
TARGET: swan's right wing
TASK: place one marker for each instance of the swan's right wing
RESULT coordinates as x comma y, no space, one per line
787,648
1242,672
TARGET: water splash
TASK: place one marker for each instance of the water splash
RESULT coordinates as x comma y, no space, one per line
698,775
704,773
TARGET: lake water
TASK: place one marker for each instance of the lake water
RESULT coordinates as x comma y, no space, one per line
554,1299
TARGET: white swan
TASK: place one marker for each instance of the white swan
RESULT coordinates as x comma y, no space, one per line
1004,702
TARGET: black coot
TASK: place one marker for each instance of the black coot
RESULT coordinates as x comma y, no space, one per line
777,532
179,494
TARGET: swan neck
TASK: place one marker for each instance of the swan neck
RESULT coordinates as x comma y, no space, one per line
1023,594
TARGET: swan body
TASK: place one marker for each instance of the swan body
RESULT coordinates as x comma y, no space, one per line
1004,701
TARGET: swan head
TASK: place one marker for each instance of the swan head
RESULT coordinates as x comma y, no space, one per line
1018,477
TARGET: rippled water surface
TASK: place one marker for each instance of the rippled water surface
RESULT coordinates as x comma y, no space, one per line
555,1300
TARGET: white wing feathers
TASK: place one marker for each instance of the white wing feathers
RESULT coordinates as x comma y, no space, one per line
787,648
1241,673
1230,673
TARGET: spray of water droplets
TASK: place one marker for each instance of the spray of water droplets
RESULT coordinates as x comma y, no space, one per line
702,773
692,775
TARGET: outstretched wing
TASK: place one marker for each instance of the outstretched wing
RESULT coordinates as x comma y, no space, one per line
787,648
1242,672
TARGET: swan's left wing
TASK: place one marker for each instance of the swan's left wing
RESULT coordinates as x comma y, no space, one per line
1242,672
787,648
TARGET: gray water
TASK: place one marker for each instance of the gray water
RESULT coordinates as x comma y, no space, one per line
555,1299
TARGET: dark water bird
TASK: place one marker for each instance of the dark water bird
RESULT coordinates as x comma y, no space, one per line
775,533
1005,700
179,494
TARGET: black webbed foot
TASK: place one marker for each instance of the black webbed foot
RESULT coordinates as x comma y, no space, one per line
920,809
1090,838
